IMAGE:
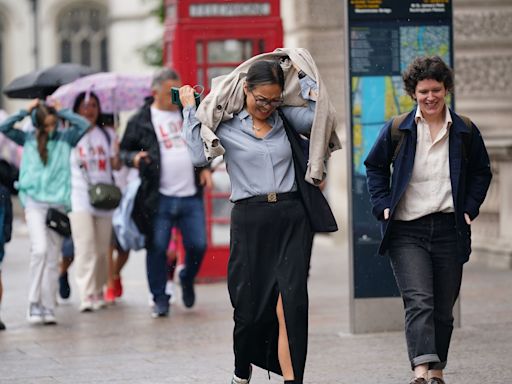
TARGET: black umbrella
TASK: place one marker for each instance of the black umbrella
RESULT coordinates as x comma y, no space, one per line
44,82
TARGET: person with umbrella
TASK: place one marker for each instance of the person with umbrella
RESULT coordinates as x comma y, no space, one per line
44,184
93,161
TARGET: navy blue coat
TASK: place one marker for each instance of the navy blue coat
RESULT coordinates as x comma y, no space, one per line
469,179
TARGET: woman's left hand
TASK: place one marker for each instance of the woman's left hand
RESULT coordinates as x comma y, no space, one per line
468,220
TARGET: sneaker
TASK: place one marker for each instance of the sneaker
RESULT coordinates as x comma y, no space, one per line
86,305
118,287
2,326
49,316
98,302
110,297
35,314
237,380
169,290
160,310
64,288
187,294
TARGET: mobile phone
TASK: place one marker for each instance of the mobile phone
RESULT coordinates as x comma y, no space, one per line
175,97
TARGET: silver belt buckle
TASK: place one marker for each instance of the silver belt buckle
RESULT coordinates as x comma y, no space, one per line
272,197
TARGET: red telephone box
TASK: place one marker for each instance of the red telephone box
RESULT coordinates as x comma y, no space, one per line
208,38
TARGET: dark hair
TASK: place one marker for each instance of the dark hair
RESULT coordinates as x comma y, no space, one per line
264,72
427,68
81,97
39,116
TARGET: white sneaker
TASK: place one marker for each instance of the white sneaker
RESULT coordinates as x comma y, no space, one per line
237,380
169,290
49,316
86,305
35,314
98,302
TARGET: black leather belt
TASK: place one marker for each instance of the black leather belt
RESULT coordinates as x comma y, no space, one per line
269,198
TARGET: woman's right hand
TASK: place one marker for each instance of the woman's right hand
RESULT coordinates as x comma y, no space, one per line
141,156
386,214
187,96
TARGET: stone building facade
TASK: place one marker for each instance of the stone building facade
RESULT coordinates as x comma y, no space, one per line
483,67
483,73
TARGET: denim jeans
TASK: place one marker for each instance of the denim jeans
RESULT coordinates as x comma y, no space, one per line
423,255
187,214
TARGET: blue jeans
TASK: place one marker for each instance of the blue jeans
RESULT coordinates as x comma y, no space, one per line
423,255
187,214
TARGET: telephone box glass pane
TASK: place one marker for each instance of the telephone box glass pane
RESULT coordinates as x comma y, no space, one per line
221,206
218,71
229,51
199,52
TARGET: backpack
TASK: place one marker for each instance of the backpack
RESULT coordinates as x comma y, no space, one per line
397,136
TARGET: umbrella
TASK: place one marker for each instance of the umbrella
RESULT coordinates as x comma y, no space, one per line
44,82
117,92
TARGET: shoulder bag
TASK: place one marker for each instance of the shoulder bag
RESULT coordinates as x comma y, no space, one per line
105,196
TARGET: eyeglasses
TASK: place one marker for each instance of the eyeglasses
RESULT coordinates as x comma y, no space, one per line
263,102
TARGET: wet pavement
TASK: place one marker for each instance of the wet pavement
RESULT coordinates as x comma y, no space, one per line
123,344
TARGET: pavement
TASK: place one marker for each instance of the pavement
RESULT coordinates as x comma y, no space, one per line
123,344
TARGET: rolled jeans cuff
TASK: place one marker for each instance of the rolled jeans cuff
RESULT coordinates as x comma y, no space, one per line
425,359
437,366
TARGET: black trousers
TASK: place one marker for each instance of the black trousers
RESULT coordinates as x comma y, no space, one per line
423,255
270,251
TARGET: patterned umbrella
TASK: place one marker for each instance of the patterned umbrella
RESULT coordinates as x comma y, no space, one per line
117,92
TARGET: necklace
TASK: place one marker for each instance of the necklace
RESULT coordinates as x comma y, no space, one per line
256,128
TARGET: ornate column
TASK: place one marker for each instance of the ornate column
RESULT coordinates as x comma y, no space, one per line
483,86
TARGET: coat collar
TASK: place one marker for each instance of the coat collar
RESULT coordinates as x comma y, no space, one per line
409,124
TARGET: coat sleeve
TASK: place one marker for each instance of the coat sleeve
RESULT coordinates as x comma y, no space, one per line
78,126
130,143
7,127
378,173
478,176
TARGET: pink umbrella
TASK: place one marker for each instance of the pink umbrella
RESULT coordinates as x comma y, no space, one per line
117,92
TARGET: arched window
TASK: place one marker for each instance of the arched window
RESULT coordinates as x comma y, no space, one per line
82,36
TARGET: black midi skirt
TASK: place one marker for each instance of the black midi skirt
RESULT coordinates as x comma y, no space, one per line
270,251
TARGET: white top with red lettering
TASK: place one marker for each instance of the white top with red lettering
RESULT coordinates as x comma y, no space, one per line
93,152
176,169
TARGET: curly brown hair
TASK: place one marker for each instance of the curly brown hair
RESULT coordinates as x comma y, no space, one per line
427,68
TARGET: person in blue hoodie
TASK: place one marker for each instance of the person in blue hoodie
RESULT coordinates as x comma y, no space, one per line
428,173
44,182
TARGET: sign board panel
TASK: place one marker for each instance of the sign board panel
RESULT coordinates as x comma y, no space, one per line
383,38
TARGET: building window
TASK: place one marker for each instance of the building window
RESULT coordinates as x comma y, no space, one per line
82,34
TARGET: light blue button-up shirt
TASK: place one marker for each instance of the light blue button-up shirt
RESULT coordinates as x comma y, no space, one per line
256,166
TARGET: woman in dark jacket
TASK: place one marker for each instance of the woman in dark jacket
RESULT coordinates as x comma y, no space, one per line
441,173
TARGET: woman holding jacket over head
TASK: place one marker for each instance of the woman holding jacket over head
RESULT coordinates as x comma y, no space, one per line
93,161
441,173
270,233
44,183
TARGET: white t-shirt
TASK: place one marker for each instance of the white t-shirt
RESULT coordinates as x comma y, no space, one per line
176,168
94,152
